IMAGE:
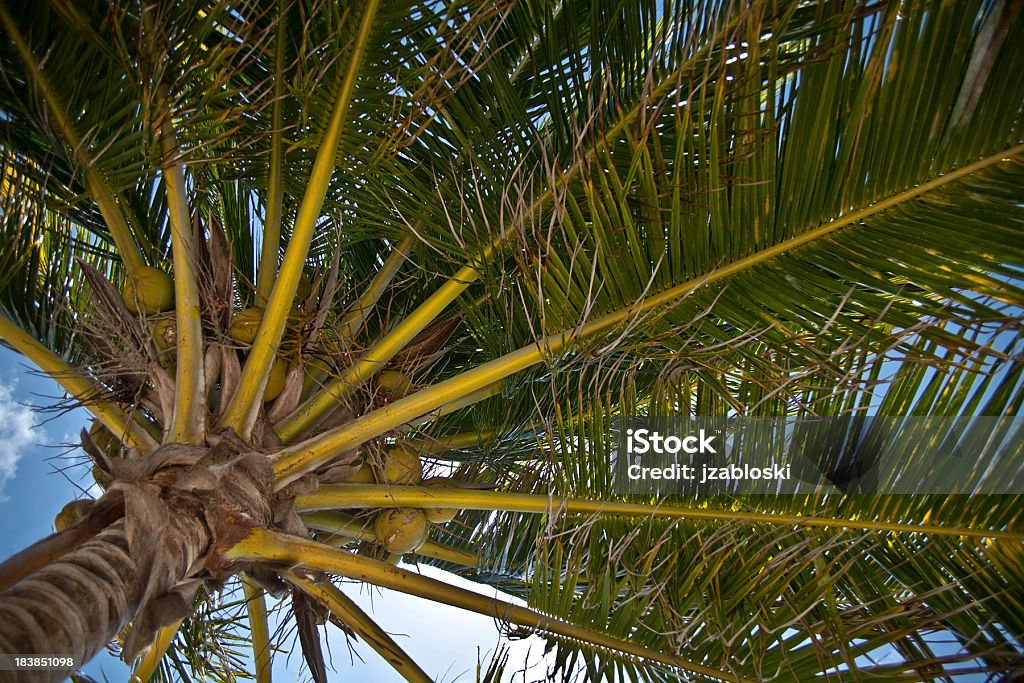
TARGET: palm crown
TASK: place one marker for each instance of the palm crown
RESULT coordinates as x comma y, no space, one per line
321,237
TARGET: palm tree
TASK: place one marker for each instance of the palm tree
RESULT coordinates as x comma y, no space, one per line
294,256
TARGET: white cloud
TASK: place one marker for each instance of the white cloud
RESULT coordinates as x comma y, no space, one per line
16,433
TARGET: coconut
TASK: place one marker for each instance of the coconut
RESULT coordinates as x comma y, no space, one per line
165,334
165,338
401,530
364,475
104,439
148,290
400,467
74,512
440,515
393,383
317,369
245,325
108,446
275,383
304,288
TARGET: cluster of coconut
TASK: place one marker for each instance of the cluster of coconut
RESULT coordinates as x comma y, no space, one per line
403,530
149,292
245,325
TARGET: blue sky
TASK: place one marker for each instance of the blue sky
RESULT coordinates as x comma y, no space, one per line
41,470
34,447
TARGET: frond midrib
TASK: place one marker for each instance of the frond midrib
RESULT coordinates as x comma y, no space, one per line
849,220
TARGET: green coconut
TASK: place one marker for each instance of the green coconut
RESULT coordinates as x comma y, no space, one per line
401,530
400,466
304,288
165,334
104,439
275,383
440,515
245,325
393,383
108,445
364,475
165,338
148,290
72,513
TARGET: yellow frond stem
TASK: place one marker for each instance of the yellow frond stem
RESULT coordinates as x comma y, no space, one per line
244,406
267,546
371,362
127,249
354,319
416,408
275,185
449,407
148,252
453,442
439,551
97,400
189,422
259,629
148,664
442,400
365,627
350,529
340,496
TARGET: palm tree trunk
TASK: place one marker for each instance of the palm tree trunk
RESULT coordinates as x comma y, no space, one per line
73,606
143,566
76,604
